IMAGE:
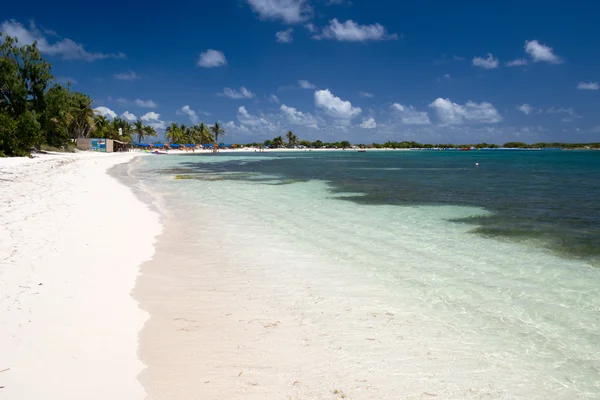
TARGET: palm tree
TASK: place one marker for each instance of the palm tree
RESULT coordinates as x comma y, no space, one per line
277,142
101,126
217,131
149,131
143,131
292,138
125,130
80,116
204,134
173,133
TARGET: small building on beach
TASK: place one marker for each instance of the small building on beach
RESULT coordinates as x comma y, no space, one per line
102,145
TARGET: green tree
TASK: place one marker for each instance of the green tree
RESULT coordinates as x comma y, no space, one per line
143,131
345,144
56,116
204,135
277,142
102,127
291,138
173,133
24,79
80,115
217,131
126,130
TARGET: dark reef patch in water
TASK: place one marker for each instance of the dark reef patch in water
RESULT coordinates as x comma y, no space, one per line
546,197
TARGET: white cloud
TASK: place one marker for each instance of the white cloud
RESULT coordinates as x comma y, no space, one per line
129,116
255,122
232,126
588,86
186,110
145,103
410,115
151,116
105,111
285,36
212,58
127,76
525,109
571,113
366,94
274,99
369,123
65,48
350,31
234,94
541,53
519,62
310,27
290,11
296,117
334,106
306,84
452,113
488,63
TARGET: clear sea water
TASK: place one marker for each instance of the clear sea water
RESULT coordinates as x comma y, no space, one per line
498,264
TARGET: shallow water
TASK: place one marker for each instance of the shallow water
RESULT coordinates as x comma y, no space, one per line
484,279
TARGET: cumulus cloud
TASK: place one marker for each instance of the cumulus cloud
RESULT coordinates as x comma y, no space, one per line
306,84
285,36
186,110
334,106
541,53
232,126
351,31
410,115
488,63
290,11
151,116
369,123
105,111
588,86
274,99
129,116
65,48
212,58
525,109
296,117
255,122
145,103
452,113
519,62
127,76
366,94
234,94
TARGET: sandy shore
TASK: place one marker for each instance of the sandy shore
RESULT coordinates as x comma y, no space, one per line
71,241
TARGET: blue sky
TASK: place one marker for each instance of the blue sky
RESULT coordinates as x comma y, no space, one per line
366,71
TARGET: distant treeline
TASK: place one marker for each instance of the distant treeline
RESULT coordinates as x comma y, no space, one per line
293,142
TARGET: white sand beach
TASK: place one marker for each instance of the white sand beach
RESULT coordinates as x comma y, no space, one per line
71,241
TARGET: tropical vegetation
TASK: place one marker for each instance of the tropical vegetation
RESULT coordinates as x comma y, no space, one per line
36,111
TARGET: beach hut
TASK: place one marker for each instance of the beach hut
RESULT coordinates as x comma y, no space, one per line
101,145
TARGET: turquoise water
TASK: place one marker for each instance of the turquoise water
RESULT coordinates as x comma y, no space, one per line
496,265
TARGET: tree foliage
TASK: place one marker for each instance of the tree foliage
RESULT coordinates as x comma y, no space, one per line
34,110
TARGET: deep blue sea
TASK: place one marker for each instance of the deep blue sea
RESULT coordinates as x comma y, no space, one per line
494,254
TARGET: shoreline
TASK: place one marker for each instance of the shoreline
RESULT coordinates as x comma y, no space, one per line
72,240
